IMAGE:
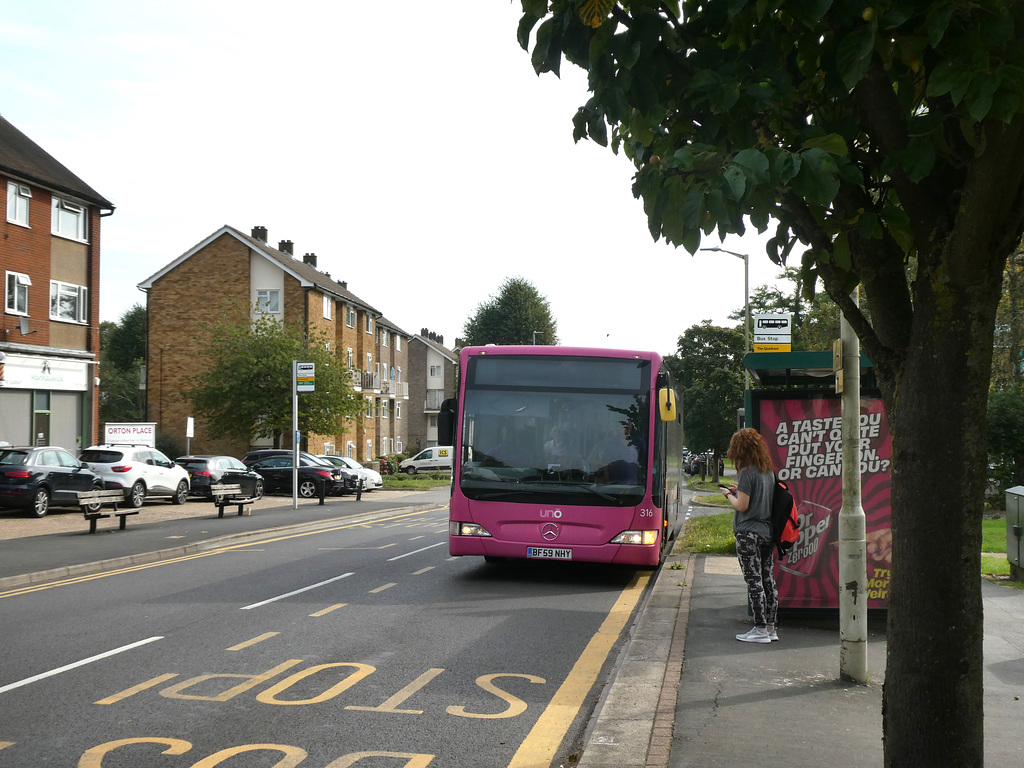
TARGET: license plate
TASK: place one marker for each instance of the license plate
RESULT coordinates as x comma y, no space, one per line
549,553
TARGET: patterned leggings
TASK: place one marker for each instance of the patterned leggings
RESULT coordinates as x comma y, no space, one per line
755,555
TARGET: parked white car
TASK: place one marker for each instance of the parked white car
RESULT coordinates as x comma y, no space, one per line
141,471
435,459
371,479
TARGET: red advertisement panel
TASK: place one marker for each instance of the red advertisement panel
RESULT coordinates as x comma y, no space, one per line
804,437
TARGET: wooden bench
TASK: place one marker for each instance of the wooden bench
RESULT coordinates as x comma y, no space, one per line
230,495
113,497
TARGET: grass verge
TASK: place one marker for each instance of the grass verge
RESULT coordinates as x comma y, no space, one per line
712,535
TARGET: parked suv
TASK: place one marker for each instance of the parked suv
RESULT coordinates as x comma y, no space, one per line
36,478
141,471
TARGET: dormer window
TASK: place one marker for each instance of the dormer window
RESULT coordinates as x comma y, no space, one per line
68,220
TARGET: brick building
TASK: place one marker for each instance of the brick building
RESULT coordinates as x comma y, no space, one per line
431,380
234,268
50,262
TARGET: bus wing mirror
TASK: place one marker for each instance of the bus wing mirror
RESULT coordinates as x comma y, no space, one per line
446,422
667,404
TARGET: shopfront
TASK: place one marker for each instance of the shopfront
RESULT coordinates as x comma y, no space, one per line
46,400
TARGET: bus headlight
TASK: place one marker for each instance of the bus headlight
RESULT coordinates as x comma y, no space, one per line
636,537
455,528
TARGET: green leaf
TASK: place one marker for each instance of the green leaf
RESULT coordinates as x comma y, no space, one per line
937,20
809,12
526,25
980,93
754,164
736,181
841,252
818,178
918,158
536,8
854,54
832,143
682,159
951,76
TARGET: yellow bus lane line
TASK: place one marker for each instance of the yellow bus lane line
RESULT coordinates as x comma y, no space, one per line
28,589
253,641
541,743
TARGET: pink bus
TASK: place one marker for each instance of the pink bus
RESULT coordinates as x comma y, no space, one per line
564,453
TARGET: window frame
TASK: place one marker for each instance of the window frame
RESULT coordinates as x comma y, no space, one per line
19,196
274,293
80,295
16,280
328,307
350,316
61,205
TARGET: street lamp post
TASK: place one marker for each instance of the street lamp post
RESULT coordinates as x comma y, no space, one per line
746,305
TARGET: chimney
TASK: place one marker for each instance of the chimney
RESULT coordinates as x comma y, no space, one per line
260,233
309,258
343,284
423,332
286,246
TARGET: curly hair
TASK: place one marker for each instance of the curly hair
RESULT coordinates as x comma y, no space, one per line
747,449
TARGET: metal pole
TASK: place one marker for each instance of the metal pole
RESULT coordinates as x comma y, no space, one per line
746,305
853,581
295,434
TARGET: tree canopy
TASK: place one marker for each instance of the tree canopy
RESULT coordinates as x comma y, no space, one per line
245,390
708,365
519,314
122,357
883,144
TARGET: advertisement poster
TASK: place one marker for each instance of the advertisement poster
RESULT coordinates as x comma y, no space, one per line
804,437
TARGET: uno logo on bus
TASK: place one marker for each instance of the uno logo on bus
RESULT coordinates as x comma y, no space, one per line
555,513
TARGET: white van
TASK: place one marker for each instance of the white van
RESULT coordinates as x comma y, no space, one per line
435,459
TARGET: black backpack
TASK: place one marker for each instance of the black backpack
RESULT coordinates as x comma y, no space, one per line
785,520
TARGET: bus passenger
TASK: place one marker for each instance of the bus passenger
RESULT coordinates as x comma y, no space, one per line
751,499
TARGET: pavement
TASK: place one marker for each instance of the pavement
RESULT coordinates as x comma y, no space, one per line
684,692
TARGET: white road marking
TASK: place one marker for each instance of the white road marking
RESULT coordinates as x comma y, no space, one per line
296,592
82,663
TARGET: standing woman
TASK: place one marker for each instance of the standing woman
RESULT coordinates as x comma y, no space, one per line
751,498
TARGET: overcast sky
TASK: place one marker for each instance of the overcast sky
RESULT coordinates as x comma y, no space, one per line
408,144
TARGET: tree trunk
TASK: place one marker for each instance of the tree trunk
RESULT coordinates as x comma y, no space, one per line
932,704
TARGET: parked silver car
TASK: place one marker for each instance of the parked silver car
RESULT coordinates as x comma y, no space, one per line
371,479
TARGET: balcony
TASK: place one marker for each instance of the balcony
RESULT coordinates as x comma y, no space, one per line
363,380
395,389
434,399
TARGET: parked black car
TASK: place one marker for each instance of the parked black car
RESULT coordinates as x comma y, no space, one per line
38,477
205,471
312,475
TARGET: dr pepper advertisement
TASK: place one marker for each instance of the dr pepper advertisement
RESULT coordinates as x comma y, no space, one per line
805,439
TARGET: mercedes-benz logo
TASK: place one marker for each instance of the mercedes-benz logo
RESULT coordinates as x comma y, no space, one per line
549,531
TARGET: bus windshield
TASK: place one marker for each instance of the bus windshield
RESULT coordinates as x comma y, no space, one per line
565,430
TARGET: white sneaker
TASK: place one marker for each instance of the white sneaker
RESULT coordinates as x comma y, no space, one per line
772,634
756,635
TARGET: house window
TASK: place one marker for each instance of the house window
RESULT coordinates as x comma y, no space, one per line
383,338
399,375
350,449
68,219
17,292
68,302
369,450
369,323
398,409
383,446
328,306
398,343
384,408
435,370
369,407
398,444
369,362
350,316
351,362
268,301
18,196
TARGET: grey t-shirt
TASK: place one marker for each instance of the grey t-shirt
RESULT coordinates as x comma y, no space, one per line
757,519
